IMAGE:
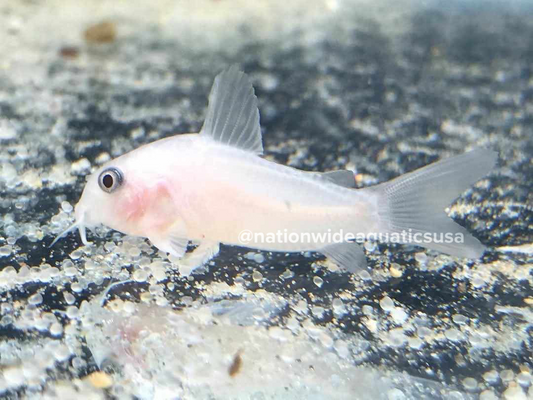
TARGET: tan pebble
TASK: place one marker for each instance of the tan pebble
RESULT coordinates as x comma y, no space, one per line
395,271
104,32
100,380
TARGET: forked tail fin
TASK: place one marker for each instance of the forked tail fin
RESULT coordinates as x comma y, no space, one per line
413,204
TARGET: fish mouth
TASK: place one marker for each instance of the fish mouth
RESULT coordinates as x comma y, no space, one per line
79,224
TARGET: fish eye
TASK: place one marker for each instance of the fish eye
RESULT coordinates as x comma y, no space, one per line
110,179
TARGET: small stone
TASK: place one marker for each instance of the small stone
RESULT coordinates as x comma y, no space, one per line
470,384
56,329
488,395
72,312
103,32
524,379
365,275
370,246
35,299
421,258
386,304
140,275
66,206
80,166
453,334
69,298
460,319
13,376
259,258
100,380
395,270
257,276
5,251
318,281
61,353
399,315
368,310
507,375
514,393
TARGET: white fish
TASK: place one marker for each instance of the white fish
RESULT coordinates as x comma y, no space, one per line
208,188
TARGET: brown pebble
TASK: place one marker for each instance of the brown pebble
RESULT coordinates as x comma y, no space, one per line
69,52
236,365
104,32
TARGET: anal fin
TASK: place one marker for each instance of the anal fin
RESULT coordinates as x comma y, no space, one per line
347,255
342,177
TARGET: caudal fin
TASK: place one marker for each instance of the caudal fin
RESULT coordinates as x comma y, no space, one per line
414,203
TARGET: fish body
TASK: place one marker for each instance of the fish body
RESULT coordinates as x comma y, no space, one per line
193,187
210,187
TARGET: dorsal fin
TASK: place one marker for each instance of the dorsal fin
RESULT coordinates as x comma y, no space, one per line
232,114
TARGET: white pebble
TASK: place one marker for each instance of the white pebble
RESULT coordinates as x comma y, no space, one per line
507,375
368,310
342,349
386,303
399,315
491,376
326,340
7,130
259,258
80,166
365,275
460,319
13,376
69,298
318,311
370,246
73,312
470,384
66,206
421,258
76,287
339,309
524,379
71,271
257,276
415,343
488,395
455,335
140,275
514,393
56,329
35,299
61,353
5,251
318,281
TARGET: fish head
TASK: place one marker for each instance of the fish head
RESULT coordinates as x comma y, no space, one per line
110,198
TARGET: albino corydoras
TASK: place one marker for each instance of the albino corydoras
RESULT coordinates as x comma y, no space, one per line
207,188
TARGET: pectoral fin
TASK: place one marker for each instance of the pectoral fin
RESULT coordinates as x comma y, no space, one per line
175,246
347,255
198,257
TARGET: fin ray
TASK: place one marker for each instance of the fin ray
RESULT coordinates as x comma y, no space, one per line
348,255
232,114
416,201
